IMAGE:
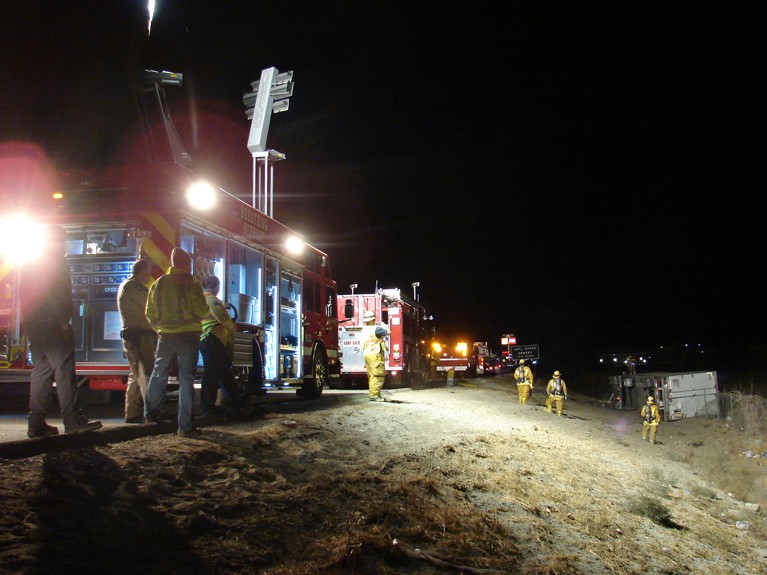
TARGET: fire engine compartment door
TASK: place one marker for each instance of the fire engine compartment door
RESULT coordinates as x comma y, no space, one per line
350,344
291,330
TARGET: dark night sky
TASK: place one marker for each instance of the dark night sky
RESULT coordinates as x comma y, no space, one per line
584,175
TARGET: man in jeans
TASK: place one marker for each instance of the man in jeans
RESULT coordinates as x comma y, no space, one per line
46,306
175,307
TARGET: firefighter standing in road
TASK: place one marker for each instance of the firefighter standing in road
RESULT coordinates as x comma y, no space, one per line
217,348
556,391
650,420
139,339
175,307
524,377
46,306
374,352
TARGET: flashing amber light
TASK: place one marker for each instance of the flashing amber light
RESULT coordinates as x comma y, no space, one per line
462,348
437,347
58,196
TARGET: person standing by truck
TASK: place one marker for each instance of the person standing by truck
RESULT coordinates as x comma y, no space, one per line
524,377
374,351
217,348
650,420
556,391
139,339
46,306
175,307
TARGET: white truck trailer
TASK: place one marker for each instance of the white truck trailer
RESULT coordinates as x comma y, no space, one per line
678,395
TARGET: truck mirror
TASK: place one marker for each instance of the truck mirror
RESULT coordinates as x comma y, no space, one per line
349,308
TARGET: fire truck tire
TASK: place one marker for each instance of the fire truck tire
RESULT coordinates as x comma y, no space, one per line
313,386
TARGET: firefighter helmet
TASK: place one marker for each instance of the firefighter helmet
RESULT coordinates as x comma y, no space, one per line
557,374
650,399
369,316
521,362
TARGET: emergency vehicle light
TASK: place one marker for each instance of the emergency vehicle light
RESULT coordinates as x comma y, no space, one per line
20,239
201,195
294,245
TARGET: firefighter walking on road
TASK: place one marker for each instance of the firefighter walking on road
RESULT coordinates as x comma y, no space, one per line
556,391
524,377
374,350
650,420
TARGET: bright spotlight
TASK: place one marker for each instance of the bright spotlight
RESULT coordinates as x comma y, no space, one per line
20,240
294,245
201,195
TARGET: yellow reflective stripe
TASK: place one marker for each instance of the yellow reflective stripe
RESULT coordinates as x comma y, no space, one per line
5,269
152,246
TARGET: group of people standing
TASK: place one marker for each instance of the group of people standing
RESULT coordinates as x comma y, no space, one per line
556,394
556,389
177,317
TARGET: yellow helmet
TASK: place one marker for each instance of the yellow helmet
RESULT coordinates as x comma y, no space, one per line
557,374
521,362
650,400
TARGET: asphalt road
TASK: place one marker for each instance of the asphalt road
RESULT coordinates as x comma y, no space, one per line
14,400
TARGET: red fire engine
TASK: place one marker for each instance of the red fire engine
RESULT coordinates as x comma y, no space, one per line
279,288
406,362
284,300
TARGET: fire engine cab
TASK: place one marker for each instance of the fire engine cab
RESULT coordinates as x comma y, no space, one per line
406,361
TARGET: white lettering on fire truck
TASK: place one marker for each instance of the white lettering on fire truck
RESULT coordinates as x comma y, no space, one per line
352,342
254,226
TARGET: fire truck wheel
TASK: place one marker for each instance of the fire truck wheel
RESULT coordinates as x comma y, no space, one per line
312,388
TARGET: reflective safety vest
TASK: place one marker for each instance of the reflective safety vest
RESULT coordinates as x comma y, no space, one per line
372,345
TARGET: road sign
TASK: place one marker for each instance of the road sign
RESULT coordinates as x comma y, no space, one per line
524,352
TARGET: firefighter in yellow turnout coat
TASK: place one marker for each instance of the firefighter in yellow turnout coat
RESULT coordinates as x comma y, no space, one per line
524,378
374,351
650,420
556,391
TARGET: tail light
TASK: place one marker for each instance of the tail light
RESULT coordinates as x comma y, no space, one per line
395,351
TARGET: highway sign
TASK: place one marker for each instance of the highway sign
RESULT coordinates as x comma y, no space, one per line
524,352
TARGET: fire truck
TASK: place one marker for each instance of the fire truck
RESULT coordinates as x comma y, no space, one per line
279,289
456,357
406,361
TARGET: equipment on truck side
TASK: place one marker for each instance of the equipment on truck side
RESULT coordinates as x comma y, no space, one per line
404,318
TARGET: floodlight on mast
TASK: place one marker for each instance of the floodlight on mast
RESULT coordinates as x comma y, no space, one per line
260,104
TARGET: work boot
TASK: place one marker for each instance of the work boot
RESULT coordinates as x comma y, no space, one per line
78,423
135,419
43,430
376,399
155,417
194,432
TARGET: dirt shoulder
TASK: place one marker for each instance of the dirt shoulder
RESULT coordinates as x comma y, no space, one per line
461,479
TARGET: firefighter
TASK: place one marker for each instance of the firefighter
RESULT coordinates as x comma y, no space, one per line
217,348
524,378
374,352
139,339
556,391
46,306
175,307
650,420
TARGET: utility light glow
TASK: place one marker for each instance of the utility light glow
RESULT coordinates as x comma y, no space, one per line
20,240
201,195
294,245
